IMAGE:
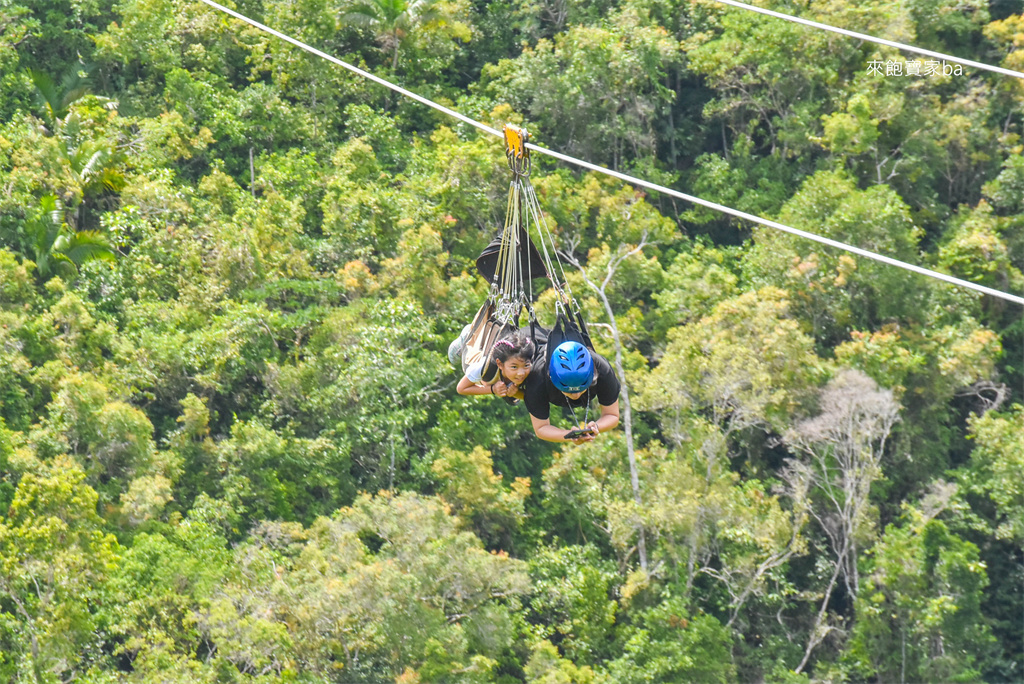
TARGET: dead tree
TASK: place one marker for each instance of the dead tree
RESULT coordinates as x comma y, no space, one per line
841,453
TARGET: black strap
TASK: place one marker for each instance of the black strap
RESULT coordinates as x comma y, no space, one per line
567,330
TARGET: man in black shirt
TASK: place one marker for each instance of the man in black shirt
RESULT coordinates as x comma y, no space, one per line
573,378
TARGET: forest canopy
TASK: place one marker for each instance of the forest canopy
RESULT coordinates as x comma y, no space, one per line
231,449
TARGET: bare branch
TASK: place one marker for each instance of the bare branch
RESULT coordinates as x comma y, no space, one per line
627,414
843,448
990,395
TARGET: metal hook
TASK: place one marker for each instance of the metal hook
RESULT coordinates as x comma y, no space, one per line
516,152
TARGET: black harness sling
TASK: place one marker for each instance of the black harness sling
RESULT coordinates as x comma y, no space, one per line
510,263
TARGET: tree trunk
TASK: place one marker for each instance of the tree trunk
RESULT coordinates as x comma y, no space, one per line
671,126
815,638
627,426
627,411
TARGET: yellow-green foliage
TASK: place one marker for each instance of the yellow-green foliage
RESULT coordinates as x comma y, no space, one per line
230,271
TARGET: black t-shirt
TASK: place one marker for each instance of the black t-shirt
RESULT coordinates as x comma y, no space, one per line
539,393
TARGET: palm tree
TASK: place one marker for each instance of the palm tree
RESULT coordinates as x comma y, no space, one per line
59,251
393,20
56,98
90,164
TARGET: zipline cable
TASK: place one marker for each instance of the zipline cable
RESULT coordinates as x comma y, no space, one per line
625,177
354,69
872,39
784,228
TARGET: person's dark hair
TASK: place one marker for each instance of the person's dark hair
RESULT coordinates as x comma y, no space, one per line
515,344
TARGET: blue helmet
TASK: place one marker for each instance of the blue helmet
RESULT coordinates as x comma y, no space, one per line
571,367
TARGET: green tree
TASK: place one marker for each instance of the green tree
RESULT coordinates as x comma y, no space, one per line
362,207
747,365
468,483
391,20
996,470
708,523
596,91
263,475
56,98
162,590
151,37
669,643
572,603
920,620
991,485
829,289
17,292
17,289
694,282
112,440
15,23
583,489
57,249
373,385
546,666
763,72
927,369
54,562
392,583
974,250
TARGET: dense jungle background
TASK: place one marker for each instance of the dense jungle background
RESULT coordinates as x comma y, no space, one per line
230,444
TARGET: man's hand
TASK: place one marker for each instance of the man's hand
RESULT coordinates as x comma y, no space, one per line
583,434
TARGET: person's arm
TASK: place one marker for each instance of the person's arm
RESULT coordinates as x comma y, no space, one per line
506,389
609,418
499,389
468,388
543,428
608,389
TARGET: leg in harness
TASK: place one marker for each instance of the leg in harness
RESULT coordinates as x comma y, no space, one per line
495,356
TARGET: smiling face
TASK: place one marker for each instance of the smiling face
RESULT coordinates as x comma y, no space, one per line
515,369
574,395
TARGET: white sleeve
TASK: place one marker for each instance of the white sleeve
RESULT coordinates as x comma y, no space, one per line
475,371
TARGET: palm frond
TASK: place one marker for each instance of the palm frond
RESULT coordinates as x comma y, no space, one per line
47,92
45,230
88,245
95,165
57,98
62,266
387,14
423,11
74,86
72,96
112,179
362,14
53,209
